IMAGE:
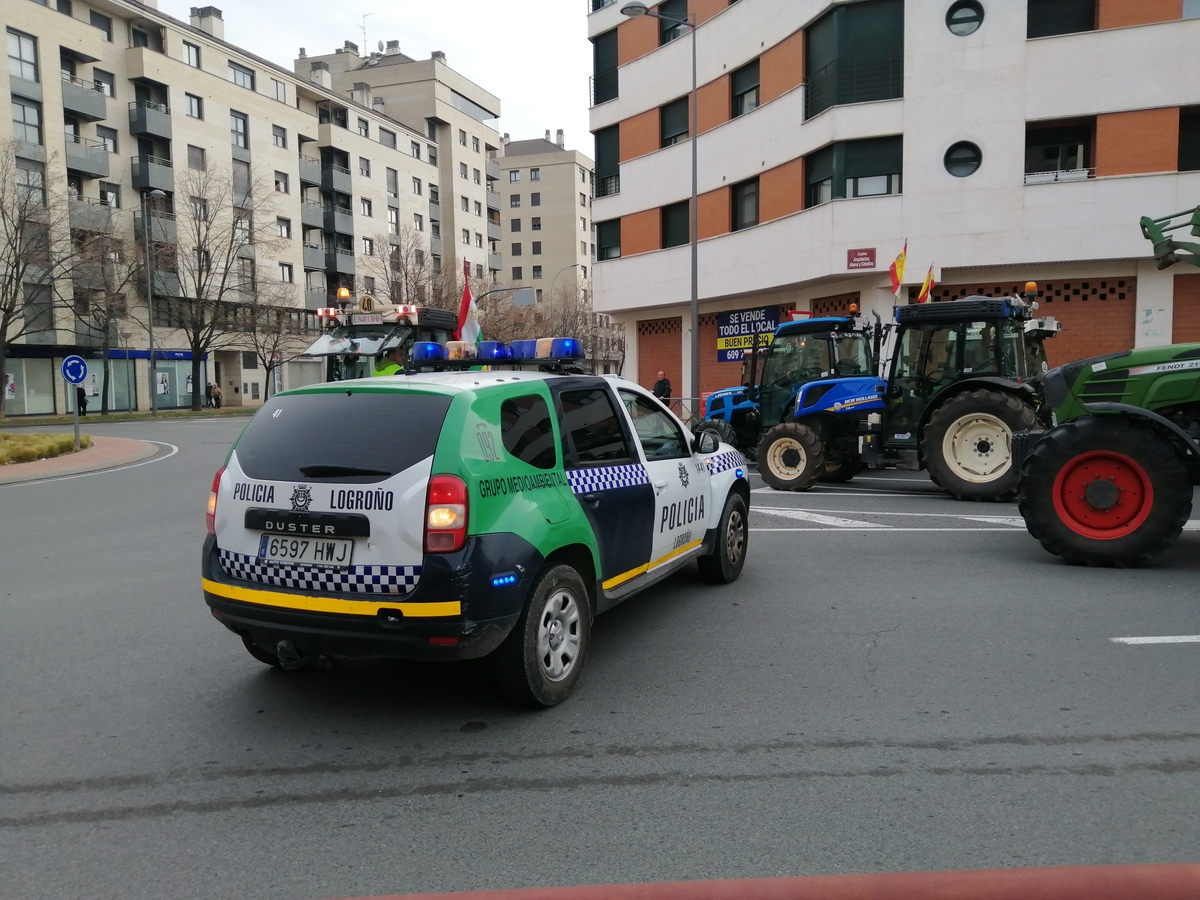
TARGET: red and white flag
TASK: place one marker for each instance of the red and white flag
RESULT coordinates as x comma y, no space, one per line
468,313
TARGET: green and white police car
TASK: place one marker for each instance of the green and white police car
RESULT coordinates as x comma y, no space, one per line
455,515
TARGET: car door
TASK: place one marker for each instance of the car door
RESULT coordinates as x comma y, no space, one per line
680,481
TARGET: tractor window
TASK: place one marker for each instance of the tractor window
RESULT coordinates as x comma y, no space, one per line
980,349
929,352
1012,356
853,355
796,359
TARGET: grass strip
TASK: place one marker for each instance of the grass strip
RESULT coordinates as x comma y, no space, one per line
19,448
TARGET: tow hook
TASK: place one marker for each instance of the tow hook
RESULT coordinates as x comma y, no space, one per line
290,658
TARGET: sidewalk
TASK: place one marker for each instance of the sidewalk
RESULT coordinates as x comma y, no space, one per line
105,453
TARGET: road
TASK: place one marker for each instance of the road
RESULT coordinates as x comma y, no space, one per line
897,682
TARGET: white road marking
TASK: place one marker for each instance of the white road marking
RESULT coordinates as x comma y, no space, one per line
881,478
889,529
147,462
817,518
1015,521
823,494
1163,639
1192,525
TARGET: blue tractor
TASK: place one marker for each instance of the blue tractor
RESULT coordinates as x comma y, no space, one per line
960,381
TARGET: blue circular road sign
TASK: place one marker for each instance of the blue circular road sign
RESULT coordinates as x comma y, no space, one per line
74,369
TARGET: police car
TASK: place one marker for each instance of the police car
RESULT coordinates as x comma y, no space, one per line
455,515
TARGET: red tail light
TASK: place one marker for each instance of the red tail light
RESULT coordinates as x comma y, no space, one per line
210,515
446,514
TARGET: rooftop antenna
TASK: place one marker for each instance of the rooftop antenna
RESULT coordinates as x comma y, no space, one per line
364,31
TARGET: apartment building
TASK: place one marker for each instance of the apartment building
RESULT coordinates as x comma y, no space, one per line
1004,142
458,119
143,102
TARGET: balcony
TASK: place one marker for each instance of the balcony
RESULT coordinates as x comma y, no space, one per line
340,261
435,246
166,284
314,256
492,169
87,214
88,277
83,99
310,170
153,173
336,178
1059,175
153,119
87,157
495,261
148,64
316,299
435,211
312,214
493,200
339,220
493,231
603,86
162,227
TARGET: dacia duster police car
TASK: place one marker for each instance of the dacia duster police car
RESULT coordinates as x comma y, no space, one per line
454,515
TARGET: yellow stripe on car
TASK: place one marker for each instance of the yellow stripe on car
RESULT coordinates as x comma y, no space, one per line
641,570
331,604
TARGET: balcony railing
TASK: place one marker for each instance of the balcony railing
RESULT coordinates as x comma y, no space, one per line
87,156
603,86
1059,175
607,185
594,5
85,99
146,117
854,81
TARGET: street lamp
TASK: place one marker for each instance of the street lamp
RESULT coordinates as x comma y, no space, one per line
634,10
146,195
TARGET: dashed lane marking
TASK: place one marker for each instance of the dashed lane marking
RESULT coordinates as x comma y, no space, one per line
889,529
818,519
1161,639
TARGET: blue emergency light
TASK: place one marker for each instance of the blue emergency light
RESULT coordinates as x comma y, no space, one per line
524,349
428,351
494,350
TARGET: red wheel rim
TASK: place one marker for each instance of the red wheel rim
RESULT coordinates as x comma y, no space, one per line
1083,480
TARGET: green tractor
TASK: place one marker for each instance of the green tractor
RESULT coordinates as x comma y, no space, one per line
1111,483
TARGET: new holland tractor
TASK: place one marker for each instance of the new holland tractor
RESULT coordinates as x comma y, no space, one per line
1111,482
961,380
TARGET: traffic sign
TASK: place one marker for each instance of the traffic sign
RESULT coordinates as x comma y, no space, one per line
74,369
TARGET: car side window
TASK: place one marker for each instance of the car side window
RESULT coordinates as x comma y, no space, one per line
658,434
592,427
526,431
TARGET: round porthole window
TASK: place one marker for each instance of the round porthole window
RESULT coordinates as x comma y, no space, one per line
964,17
963,159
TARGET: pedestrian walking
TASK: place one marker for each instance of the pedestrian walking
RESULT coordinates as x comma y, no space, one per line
81,399
208,397
662,387
216,395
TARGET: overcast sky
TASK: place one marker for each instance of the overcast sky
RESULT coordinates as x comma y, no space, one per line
532,54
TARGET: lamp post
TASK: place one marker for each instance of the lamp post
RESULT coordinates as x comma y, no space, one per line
633,10
125,335
146,195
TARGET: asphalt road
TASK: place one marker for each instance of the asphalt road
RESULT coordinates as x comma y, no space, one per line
897,682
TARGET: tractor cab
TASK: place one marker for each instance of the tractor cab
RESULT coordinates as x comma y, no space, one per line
812,350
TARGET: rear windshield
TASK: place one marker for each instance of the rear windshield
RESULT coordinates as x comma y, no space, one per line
330,433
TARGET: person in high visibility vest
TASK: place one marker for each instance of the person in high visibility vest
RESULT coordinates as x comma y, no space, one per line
391,363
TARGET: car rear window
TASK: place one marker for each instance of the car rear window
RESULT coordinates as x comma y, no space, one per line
385,432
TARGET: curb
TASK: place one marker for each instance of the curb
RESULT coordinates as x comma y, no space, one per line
105,453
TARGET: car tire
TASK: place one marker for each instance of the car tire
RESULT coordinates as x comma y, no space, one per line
541,660
967,444
724,564
263,656
791,457
722,429
1126,527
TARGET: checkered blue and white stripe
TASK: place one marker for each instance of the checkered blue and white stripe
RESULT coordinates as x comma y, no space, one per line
354,580
606,478
721,462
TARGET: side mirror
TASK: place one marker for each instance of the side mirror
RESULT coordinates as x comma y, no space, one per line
706,442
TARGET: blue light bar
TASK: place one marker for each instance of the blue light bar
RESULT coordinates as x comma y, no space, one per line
524,349
494,350
426,351
506,580
566,348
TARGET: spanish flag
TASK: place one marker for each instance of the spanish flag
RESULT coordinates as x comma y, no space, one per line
927,287
896,270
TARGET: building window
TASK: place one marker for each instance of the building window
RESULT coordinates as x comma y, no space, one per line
744,87
963,159
854,169
536,223
416,149
964,17
104,23
477,176
418,221
582,224
364,167
284,227
110,194
854,53
107,138
241,76
535,199
514,225
22,56
279,89
462,137
1059,151
393,220
368,245
672,122
364,206
514,176
1049,17
745,204
608,161
583,174
279,136
368,284
393,181
535,174
516,250
675,224
583,200
464,203
197,158
417,186
475,144
514,201
387,138
239,129
604,67
27,120
199,209
537,271
105,83
608,239
1189,138
537,248
667,11
281,183
432,153
478,239
516,273
286,274
478,209
466,236
31,183
191,55
194,106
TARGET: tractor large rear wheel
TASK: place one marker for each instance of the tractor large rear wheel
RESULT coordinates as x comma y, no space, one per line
968,444
722,429
841,465
1104,491
791,457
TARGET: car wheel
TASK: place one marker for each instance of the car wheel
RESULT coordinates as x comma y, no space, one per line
263,656
724,564
791,457
540,662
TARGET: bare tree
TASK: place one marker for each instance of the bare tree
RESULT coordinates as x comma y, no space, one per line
34,252
273,326
223,220
401,267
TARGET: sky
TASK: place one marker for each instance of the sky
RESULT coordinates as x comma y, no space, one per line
532,54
